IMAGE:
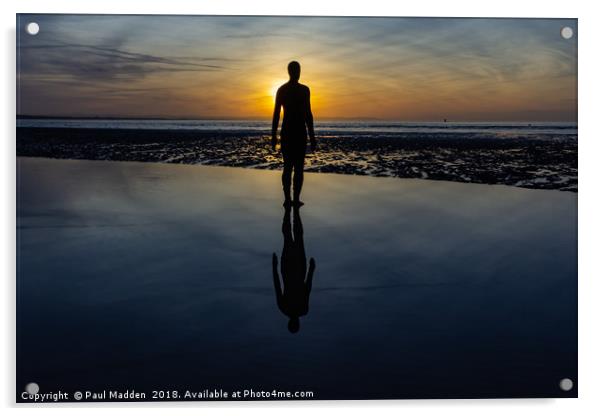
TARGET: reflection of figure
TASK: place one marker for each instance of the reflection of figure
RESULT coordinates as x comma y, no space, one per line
293,297
294,97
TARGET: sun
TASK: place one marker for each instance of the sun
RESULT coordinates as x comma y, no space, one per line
274,89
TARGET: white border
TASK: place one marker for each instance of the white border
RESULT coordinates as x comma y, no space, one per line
590,154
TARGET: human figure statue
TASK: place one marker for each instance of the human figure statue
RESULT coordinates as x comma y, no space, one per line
297,122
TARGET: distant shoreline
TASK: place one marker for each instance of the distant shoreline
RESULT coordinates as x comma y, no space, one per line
267,119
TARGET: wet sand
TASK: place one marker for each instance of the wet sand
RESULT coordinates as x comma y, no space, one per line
537,162
158,276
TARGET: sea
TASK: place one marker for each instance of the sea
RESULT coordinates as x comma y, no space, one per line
341,128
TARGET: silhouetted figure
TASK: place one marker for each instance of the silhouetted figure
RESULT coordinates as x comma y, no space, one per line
293,296
296,123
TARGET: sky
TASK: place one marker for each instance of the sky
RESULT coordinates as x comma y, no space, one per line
402,69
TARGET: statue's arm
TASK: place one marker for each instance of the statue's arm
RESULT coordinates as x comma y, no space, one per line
276,119
310,121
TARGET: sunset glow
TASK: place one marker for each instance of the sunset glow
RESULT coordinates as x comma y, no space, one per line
231,67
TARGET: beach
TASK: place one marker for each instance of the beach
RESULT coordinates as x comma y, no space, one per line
159,276
536,156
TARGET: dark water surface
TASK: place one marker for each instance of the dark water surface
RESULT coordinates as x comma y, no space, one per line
155,276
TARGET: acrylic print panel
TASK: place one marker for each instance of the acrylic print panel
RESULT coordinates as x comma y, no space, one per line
295,208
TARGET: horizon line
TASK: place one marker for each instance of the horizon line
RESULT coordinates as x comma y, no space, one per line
220,118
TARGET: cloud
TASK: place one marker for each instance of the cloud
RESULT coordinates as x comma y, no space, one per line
392,67
97,62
